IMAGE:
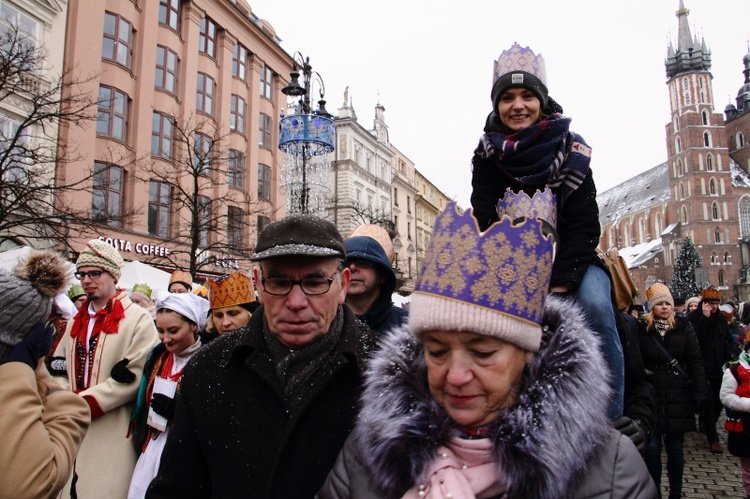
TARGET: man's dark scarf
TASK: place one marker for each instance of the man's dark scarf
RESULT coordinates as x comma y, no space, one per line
544,154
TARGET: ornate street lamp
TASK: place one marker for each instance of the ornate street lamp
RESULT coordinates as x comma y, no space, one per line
306,138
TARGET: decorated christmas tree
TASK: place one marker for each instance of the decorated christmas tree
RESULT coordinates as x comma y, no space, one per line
683,278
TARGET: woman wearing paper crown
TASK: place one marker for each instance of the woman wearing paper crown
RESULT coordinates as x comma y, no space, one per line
670,350
232,301
179,319
528,147
492,389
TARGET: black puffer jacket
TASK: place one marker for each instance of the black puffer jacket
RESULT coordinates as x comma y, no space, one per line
676,398
717,346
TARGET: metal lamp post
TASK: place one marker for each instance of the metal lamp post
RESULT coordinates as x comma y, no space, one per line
306,138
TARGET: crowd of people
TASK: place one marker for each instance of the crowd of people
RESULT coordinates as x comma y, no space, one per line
512,374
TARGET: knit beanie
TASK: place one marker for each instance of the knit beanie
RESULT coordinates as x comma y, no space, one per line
658,293
691,300
26,295
99,254
520,67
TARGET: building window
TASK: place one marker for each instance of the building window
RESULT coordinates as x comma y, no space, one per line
684,215
112,115
717,236
727,257
712,187
204,220
744,216
395,196
266,80
159,204
201,153
169,13
706,139
721,278
266,126
237,114
408,231
15,168
262,223
239,61
710,162
264,182
165,76
715,211
686,91
107,194
117,42
408,204
236,169
207,40
234,227
204,95
162,135
740,139
704,115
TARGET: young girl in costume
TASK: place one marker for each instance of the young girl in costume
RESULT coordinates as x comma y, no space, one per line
735,396
527,147
179,318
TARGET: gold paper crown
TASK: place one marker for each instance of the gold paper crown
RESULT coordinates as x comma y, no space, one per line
142,288
518,58
711,293
230,290
542,206
181,276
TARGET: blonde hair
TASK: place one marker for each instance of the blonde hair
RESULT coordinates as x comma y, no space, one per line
649,320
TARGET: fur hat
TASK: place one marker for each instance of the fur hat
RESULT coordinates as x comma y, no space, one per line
300,235
26,295
520,67
181,277
99,254
492,283
658,293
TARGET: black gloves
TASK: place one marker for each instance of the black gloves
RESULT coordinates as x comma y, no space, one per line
33,347
163,405
121,373
632,429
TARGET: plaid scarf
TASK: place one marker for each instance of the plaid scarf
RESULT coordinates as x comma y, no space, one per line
544,154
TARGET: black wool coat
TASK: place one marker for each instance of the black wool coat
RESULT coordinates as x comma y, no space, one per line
577,218
234,436
717,345
676,399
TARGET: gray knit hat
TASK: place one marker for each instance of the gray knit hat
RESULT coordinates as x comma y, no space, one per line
26,295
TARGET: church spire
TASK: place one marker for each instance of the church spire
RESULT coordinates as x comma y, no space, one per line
692,54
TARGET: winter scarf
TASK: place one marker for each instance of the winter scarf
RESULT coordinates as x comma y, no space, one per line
661,326
544,154
461,469
107,319
540,446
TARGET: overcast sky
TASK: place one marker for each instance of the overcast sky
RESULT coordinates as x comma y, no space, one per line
430,66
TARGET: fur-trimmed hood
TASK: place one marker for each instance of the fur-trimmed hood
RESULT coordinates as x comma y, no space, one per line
542,443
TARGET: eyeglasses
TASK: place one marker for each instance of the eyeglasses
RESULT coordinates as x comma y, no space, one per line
92,274
360,263
311,286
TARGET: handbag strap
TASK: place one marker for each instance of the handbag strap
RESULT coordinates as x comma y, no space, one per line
671,361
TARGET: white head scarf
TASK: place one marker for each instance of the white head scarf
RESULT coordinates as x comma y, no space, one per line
189,305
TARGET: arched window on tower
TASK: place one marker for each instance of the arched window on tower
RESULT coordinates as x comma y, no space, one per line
740,140
717,236
714,258
684,215
710,162
682,191
686,91
642,232
657,225
677,144
680,167
712,187
745,216
706,139
704,114
715,211
702,91
675,125
721,278
727,258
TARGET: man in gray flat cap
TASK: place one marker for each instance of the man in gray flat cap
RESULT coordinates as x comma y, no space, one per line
264,410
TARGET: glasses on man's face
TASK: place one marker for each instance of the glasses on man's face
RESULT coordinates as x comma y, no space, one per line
360,263
92,274
311,286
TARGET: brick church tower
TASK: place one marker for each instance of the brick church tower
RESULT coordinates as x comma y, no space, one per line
704,201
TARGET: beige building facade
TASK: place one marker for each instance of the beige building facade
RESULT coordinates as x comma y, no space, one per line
180,84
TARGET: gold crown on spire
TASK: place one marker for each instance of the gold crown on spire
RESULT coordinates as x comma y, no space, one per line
518,58
230,290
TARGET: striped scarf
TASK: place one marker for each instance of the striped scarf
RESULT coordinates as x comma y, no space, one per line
544,154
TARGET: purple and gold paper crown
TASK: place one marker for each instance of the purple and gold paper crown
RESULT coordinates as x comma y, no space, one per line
542,205
492,283
227,291
518,58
